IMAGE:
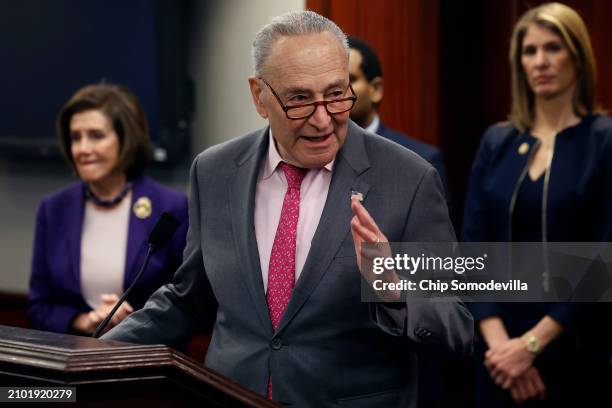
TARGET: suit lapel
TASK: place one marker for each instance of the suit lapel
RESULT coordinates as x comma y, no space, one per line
75,212
334,225
138,231
242,205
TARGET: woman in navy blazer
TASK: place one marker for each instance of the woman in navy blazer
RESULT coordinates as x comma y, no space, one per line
544,176
103,134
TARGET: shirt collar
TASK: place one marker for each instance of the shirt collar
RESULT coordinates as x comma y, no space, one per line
373,127
273,159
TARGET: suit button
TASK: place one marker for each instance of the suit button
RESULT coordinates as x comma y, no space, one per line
422,333
276,344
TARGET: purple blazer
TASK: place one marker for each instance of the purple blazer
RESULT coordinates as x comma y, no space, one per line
55,283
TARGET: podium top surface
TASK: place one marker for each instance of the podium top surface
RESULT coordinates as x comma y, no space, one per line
55,358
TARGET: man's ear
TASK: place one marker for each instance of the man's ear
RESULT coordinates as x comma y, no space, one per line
256,93
377,90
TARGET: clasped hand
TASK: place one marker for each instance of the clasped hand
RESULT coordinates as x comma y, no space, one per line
88,322
510,365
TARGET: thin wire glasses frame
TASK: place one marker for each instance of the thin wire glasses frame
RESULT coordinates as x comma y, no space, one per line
305,111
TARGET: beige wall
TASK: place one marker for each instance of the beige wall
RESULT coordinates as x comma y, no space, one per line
220,65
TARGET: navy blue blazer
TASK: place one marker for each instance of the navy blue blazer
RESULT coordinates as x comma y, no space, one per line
55,283
579,201
433,155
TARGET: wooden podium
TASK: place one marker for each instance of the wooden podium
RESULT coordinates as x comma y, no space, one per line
111,372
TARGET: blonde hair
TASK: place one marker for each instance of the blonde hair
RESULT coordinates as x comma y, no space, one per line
567,24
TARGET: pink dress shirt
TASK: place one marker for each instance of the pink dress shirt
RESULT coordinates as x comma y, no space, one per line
269,195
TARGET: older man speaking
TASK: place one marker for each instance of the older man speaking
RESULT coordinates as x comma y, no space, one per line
271,263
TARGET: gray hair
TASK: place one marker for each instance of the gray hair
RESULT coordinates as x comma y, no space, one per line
291,24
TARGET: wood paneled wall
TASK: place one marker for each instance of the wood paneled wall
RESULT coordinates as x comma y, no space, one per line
405,37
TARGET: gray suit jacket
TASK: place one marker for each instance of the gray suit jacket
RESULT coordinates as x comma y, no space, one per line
330,348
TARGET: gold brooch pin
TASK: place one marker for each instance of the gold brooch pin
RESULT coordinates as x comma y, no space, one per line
523,148
143,208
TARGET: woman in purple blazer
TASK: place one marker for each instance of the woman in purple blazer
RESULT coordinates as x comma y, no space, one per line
91,236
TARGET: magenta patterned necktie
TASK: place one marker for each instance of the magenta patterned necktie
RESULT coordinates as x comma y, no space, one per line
281,273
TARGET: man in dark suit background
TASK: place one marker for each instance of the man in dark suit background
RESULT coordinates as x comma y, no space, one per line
277,218
367,81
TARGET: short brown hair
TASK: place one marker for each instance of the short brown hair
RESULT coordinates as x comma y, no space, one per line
567,24
125,114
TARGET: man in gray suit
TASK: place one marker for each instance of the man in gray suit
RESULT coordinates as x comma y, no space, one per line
271,262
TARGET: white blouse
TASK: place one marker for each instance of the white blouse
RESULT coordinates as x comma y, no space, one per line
103,250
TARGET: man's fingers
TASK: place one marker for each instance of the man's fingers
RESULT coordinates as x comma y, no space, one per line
364,234
366,220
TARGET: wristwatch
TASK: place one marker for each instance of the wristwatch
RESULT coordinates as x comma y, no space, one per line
532,343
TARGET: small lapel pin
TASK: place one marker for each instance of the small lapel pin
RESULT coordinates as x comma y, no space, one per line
356,195
523,148
143,208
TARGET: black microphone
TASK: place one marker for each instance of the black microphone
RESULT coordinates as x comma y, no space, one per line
163,230
159,236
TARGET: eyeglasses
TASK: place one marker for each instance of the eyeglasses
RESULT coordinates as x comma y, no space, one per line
305,111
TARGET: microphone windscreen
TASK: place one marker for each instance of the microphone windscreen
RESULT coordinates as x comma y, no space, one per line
163,230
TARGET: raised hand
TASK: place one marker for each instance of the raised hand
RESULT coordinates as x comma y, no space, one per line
365,230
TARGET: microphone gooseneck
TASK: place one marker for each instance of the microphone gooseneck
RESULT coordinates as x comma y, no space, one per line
160,235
